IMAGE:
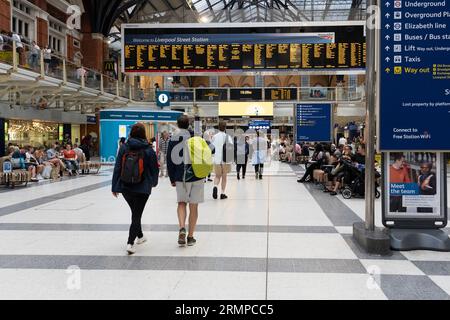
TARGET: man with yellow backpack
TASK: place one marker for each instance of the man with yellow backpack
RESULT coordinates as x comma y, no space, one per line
189,162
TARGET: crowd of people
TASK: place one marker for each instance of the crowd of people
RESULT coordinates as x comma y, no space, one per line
339,164
169,156
43,161
171,160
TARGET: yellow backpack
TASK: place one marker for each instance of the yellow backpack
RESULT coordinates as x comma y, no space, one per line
201,157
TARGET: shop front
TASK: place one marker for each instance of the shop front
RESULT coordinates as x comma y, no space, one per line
32,133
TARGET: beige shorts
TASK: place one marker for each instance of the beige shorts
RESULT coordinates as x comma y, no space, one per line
191,192
222,169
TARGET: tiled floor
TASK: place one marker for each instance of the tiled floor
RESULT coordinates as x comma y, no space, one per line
272,239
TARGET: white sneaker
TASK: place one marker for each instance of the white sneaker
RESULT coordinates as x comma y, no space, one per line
131,249
141,240
39,177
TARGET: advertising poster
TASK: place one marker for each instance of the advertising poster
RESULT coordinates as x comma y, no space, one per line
414,185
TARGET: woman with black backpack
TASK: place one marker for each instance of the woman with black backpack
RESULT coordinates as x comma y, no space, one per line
135,174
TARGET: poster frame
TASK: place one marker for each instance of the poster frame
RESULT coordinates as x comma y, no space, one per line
419,222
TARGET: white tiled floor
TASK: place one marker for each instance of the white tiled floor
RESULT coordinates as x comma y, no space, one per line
234,238
399,267
314,286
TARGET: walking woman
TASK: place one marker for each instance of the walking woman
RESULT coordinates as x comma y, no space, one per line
241,152
135,174
259,147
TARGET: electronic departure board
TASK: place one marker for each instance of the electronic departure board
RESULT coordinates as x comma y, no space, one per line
236,50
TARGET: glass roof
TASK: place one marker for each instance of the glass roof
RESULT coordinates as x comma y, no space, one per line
277,10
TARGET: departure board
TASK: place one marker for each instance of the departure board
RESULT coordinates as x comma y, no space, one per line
233,51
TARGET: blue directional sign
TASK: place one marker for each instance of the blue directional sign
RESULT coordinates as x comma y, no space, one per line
313,123
163,99
415,75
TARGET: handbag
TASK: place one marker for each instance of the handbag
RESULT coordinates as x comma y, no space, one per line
47,173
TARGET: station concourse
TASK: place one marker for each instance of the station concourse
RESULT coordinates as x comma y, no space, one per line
74,82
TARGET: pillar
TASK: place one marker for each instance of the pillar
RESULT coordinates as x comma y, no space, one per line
5,15
2,137
92,47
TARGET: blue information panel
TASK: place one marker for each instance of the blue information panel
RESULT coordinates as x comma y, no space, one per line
313,122
415,76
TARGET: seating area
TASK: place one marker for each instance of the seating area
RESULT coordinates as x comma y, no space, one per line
25,164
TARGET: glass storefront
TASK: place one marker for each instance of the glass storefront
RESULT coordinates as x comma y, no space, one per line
34,133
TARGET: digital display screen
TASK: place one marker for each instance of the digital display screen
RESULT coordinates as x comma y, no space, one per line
236,50
249,109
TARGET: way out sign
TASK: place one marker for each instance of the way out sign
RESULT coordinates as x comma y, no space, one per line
163,99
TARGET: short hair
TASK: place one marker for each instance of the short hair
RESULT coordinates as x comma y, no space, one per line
138,131
427,164
362,146
222,125
398,156
183,122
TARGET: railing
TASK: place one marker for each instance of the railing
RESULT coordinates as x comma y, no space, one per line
288,94
48,64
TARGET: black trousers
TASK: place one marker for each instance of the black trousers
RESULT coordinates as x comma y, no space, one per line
310,170
243,167
137,202
259,168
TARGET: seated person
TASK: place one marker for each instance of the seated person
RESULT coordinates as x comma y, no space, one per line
32,161
70,159
343,175
289,153
39,155
316,162
18,160
80,154
52,157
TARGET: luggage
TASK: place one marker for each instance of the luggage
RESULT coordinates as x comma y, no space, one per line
47,173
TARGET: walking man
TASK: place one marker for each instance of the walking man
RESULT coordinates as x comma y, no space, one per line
223,149
190,189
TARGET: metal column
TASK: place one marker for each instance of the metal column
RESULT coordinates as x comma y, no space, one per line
371,87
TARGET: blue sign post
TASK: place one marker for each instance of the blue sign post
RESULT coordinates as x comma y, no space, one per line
414,110
313,122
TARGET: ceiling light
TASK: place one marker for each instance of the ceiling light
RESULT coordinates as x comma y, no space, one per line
205,19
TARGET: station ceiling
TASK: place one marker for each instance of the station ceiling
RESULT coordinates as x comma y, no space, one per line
107,16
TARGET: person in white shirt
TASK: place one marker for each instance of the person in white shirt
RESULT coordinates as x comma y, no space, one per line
222,162
2,41
259,147
342,141
19,47
34,56
47,52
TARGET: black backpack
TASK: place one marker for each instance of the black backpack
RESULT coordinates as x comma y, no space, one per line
133,167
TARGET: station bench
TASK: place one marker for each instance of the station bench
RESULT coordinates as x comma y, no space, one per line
15,178
88,166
